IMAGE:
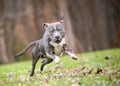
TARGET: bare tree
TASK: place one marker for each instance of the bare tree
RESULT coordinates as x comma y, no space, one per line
3,52
73,41
9,24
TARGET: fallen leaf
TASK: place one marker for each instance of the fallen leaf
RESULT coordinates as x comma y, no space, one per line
107,57
99,70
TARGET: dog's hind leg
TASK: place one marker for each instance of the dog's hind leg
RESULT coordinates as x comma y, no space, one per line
33,65
35,58
44,62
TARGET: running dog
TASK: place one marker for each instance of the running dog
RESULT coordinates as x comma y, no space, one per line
50,46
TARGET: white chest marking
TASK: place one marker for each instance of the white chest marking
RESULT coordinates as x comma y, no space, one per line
58,47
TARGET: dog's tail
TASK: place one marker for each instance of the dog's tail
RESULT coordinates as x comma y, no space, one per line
25,49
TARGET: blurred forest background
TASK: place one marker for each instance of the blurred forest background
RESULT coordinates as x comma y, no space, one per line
90,24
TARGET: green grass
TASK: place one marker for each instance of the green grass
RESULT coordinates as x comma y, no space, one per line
91,69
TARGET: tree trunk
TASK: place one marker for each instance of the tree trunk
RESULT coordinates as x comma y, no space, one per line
73,41
9,26
3,53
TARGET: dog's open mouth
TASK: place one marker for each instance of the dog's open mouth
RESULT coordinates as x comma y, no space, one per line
57,41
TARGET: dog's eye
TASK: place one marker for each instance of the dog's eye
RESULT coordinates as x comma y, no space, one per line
51,31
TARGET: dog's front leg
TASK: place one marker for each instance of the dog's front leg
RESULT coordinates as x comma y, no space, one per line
54,57
70,53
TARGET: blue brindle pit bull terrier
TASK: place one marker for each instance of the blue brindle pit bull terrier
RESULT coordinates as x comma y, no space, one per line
52,45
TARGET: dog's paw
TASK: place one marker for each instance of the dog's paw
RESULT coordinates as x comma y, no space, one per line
74,57
57,59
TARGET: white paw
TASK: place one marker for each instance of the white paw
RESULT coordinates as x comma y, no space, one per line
73,56
57,59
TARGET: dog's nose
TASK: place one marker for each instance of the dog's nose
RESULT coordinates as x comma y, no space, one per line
57,37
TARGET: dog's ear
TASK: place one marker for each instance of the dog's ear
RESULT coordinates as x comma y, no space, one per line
45,25
61,20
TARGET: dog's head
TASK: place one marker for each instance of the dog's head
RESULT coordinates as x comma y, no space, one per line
55,31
